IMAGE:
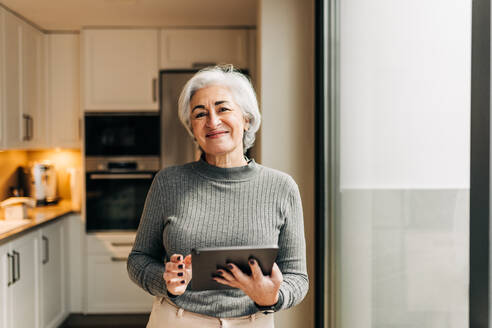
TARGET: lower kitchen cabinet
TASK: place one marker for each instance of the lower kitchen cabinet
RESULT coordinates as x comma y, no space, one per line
23,285
32,279
5,278
109,289
51,261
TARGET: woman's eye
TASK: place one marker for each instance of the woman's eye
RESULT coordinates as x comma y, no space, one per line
223,109
199,115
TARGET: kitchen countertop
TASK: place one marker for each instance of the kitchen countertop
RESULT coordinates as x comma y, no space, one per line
38,216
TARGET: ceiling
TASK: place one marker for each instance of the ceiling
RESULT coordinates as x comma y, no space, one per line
62,15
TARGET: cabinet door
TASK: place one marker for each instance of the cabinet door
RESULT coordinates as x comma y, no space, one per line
120,70
23,113
110,289
2,82
196,48
32,107
5,282
24,293
63,104
15,125
53,275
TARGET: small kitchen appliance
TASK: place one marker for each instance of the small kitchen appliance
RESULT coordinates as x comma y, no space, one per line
39,183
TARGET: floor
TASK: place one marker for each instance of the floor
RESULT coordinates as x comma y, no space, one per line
106,320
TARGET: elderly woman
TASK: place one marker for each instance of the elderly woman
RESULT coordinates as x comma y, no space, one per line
224,199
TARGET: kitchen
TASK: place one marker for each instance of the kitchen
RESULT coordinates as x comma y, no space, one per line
97,57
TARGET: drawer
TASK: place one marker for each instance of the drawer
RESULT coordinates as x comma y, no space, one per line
110,244
110,290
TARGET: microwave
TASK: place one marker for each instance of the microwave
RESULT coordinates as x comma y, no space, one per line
134,134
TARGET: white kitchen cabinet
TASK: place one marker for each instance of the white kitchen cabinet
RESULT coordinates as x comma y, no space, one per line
64,121
120,69
32,92
2,77
195,48
109,289
15,126
52,264
22,84
32,279
24,289
5,278
76,261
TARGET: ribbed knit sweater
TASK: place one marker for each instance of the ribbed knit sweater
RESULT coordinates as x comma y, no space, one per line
199,205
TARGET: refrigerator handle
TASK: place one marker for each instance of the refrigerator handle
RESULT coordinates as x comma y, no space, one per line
154,91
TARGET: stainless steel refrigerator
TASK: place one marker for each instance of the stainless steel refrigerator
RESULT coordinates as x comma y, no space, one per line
177,146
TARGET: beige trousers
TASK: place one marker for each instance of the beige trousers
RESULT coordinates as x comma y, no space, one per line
166,314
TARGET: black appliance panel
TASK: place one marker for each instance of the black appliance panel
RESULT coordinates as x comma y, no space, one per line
115,201
122,135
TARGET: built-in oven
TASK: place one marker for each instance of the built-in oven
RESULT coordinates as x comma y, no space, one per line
122,134
116,188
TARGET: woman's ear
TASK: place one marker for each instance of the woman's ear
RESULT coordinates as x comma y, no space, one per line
246,124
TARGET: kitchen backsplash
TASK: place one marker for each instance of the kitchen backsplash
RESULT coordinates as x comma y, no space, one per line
63,160
9,161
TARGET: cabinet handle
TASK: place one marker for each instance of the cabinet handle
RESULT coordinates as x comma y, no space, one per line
154,89
10,259
31,127
80,128
199,65
17,264
46,249
122,244
25,134
119,259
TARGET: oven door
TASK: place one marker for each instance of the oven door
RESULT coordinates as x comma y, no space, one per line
114,201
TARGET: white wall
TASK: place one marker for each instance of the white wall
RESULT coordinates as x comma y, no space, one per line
405,93
286,79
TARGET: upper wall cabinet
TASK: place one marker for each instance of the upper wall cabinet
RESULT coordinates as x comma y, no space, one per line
22,90
195,48
63,88
120,69
32,103
2,97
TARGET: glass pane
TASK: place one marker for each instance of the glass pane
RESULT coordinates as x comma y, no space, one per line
403,228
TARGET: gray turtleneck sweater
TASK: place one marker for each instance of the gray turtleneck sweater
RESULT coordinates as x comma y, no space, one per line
198,205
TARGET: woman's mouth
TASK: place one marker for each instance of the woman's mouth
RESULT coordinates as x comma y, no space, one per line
216,134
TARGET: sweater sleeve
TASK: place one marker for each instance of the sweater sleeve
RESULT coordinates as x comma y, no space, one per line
292,253
146,261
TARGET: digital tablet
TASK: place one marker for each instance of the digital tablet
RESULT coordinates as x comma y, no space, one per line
206,261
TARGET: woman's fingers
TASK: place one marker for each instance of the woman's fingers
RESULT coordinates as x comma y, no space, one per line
225,282
176,286
176,258
171,266
168,275
187,260
240,276
256,272
225,275
276,275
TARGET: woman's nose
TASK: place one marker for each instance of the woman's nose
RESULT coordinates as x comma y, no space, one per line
213,120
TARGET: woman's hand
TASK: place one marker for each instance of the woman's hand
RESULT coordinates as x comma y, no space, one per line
263,290
178,274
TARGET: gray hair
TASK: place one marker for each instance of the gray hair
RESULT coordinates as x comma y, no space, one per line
241,89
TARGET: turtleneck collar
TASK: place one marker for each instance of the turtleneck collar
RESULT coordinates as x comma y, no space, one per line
226,173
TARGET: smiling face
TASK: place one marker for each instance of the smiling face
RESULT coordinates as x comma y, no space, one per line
217,122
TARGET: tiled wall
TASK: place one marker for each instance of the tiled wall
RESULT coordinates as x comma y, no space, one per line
404,258
9,161
63,160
